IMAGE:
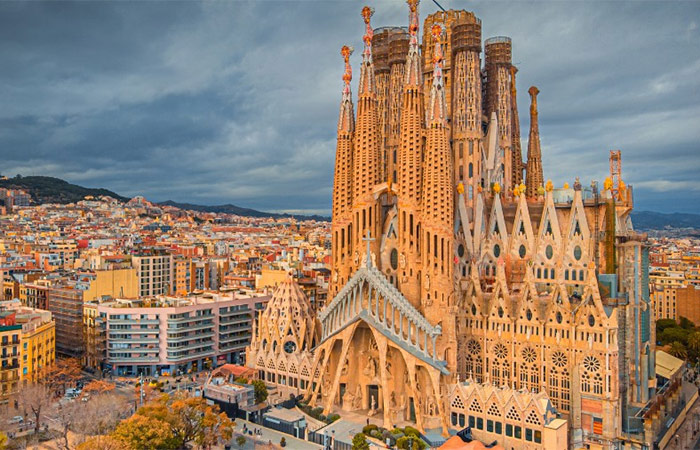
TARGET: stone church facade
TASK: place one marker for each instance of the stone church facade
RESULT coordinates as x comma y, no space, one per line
455,264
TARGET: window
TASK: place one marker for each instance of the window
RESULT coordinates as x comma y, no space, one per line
518,432
538,436
509,430
528,434
472,421
489,426
479,423
499,428
461,420
454,419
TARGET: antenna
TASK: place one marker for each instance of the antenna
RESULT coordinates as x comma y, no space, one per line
439,6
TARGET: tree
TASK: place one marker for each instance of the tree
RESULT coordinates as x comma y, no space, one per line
410,441
196,421
260,391
694,342
190,419
662,324
686,323
107,442
241,440
359,442
283,442
676,334
678,350
3,441
140,432
103,413
34,399
98,387
68,415
61,374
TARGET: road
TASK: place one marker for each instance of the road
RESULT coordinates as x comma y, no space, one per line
687,435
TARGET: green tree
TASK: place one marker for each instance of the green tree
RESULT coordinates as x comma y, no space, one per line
411,441
260,391
359,442
678,350
241,440
676,334
3,441
140,432
686,324
662,324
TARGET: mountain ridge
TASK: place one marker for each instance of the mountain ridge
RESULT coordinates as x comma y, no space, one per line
43,189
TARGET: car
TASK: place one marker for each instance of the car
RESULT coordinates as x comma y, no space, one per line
16,419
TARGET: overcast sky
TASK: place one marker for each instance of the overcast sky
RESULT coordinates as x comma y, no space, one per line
237,102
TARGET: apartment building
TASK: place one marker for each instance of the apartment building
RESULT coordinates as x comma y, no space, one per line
155,272
167,335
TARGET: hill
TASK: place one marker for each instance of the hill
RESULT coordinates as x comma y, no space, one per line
649,220
55,190
239,211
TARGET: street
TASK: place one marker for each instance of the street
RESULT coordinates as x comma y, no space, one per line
687,435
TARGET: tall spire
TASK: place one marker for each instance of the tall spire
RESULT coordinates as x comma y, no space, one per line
517,156
413,71
534,177
346,121
437,111
367,69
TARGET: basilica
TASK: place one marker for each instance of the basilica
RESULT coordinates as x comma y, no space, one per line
467,290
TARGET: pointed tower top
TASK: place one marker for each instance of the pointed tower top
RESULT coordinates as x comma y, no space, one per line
437,111
533,91
412,62
367,70
346,120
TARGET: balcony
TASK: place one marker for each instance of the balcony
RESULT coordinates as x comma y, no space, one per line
136,331
137,340
235,320
191,337
246,312
191,355
191,346
191,328
134,321
190,318
140,359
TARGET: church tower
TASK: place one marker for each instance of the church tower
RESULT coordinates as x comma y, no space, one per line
367,148
342,182
534,153
498,99
517,156
410,164
438,204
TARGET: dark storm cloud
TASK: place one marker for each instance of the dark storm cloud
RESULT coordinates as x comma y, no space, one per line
237,102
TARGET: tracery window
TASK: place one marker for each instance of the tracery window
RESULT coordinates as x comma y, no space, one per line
500,369
559,383
473,361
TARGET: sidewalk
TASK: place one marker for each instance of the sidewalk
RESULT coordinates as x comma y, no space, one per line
267,436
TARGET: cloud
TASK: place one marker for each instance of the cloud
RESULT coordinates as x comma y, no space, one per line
237,102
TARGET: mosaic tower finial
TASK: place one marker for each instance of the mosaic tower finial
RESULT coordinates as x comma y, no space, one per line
346,119
413,60
437,111
367,70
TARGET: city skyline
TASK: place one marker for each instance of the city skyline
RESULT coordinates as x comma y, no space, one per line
236,103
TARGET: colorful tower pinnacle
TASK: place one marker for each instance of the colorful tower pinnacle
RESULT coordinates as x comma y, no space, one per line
410,164
342,182
367,148
437,216
413,70
517,163
534,178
